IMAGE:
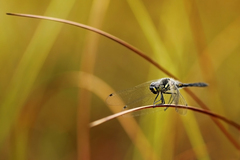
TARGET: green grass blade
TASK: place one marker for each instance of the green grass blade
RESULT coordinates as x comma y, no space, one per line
30,65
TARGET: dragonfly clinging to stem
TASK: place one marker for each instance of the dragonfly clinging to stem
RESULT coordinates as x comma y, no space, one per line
153,92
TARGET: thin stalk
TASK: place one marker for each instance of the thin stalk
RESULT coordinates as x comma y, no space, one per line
105,34
207,112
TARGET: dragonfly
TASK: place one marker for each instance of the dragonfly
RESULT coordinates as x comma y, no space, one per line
155,92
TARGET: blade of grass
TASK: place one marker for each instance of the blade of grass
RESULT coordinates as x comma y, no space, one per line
100,88
88,59
206,67
29,66
196,139
221,127
161,55
151,33
228,39
198,37
105,34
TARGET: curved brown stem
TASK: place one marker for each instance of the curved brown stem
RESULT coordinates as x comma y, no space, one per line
207,112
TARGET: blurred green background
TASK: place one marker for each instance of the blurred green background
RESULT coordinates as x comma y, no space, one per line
48,96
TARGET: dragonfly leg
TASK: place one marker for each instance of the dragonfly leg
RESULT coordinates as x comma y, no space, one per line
162,99
170,100
155,99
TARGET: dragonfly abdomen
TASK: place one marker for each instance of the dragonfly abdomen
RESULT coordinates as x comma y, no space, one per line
200,84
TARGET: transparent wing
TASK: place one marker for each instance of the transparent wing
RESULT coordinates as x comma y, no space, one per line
177,98
133,97
181,101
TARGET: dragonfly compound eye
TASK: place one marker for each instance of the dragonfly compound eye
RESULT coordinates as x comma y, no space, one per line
154,88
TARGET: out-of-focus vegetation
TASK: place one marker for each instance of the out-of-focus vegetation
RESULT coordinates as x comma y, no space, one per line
47,70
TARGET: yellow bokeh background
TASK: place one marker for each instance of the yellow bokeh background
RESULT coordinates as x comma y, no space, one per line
55,78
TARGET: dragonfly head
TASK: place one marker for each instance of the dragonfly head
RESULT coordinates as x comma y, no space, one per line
160,86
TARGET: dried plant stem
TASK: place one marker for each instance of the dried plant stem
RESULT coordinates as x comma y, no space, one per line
105,34
105,119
